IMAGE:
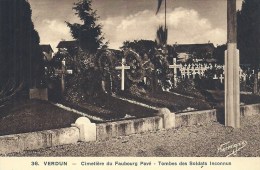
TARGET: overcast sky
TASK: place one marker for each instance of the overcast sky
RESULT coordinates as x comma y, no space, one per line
189,21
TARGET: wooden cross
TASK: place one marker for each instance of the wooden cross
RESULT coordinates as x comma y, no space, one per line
62,73
123,67
175,66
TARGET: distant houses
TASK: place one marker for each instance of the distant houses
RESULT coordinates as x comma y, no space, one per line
185,52
47,52
195,52
68,46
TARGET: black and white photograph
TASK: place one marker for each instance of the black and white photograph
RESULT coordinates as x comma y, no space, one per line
130,78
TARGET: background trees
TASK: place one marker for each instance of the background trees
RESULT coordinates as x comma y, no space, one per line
249,35
20,53
88,36
88,33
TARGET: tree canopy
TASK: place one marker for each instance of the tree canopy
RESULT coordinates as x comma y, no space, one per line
249,31
88,33
20,53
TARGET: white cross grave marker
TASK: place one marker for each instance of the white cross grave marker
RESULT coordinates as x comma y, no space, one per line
174,67
123,67
63,72
215,77
221,78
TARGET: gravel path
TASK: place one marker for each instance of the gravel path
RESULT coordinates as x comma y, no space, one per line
187,141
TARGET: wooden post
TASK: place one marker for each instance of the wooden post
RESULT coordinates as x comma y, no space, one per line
123,67
232,86
63,72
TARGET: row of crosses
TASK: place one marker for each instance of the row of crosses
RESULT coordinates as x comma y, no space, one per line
124,67
197,69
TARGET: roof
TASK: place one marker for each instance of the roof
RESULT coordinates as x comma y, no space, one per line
67,44
46,48
190,48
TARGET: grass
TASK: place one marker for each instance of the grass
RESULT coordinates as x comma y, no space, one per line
33,115
217,96
111,108
171,101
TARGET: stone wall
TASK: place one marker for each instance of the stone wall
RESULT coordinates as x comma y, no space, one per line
85,131
38,140
249,110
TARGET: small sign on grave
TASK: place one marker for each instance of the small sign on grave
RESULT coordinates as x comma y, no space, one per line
40,94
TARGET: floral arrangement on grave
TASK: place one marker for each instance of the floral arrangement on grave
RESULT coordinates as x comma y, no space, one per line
154,62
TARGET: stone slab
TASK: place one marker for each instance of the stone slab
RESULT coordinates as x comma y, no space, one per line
41,94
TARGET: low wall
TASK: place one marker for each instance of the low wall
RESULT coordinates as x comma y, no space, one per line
195,118
83,130
38,140
249,110
128,127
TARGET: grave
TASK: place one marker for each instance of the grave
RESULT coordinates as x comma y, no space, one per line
39,93
62,72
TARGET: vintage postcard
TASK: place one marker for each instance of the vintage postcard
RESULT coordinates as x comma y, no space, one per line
140,84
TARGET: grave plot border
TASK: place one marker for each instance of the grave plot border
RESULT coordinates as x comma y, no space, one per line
85,131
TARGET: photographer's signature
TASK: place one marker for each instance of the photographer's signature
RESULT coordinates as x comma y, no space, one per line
233,148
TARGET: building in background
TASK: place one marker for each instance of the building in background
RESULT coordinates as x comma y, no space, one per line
195,52
47,52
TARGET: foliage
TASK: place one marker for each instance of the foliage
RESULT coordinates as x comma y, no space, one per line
248,35
189,87
249,31
88,78
89,33
161,36
142,47
155,62
219,53
21,59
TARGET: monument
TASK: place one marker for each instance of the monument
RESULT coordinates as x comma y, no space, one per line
232,84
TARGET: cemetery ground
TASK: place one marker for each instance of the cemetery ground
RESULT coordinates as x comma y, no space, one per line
36,115
195,141
33,115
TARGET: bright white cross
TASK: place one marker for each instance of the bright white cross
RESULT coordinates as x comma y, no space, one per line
123,67
221,78
194,73
215,77
175,66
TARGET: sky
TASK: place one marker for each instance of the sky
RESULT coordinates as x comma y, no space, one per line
188,21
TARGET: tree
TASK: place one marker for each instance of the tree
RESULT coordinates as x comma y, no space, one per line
89,33
161,36
248,35
219,53
20,53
